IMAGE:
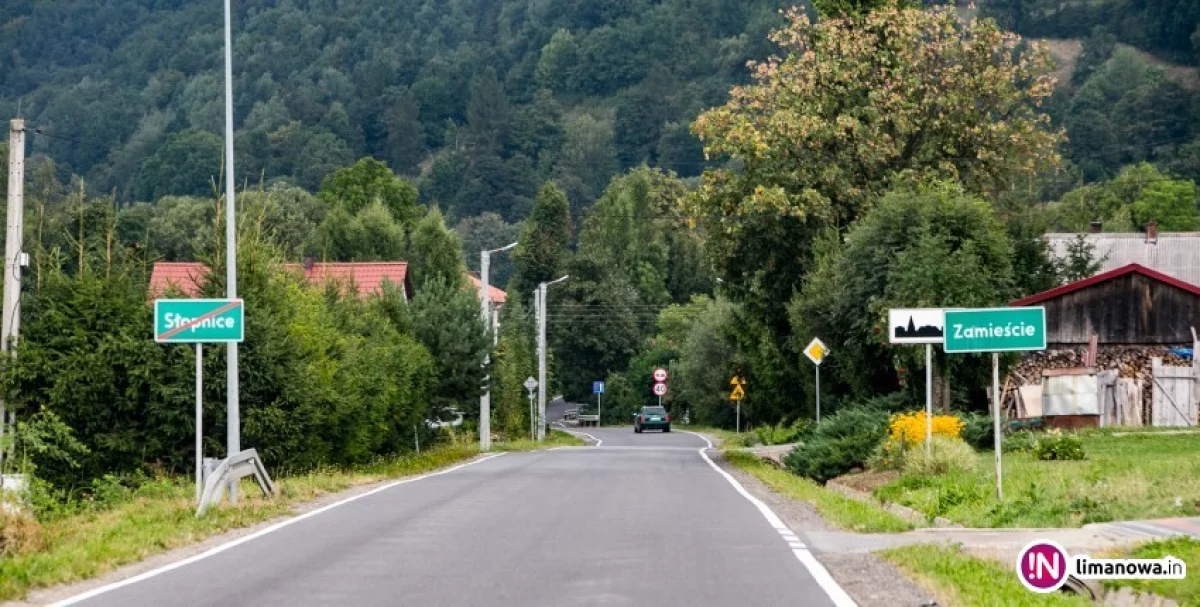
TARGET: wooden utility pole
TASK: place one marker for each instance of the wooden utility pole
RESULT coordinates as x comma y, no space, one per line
10,328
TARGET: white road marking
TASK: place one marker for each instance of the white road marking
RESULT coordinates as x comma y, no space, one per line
257,534
836,593
576,433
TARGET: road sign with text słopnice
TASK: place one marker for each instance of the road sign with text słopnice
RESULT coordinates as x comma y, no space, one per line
995,330
193,321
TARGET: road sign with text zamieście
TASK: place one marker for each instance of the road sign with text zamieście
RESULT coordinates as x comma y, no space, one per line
816,351
737,393
995,330
194,321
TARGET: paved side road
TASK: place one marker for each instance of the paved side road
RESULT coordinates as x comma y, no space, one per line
647,521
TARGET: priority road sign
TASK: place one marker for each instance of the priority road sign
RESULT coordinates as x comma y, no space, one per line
530,384
995,330
660,389
597,387
660,375
816,351
194,321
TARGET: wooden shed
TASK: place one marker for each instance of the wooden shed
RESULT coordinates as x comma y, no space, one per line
1130,305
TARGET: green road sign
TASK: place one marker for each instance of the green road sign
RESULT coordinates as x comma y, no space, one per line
192,321
995,330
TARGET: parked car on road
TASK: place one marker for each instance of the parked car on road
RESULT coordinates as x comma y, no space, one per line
652,418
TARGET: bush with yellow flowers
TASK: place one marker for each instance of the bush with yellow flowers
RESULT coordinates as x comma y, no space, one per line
910,427
906,430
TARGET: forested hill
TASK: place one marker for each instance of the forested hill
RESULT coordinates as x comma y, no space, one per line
487,98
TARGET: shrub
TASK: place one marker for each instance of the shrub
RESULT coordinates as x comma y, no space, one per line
1054,445
842,442
1018,442
946,455
978,431
20,533
781,434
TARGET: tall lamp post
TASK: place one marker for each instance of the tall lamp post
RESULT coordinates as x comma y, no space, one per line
233,416
485,309
541,301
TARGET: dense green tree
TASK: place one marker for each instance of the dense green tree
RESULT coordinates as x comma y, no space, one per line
445,318
367,181
435,254
931,247
188,165
542,254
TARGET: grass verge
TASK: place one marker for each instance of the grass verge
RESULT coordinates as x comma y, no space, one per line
836,508
725,438
956,578
556,438
161,515
1137,476
1185,591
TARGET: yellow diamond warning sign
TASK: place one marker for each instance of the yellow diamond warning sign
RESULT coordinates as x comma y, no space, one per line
816,351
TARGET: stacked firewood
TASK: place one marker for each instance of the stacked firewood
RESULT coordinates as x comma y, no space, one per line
1128,361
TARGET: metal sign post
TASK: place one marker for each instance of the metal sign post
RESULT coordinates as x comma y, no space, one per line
531,384
598,390
995,330
816,351
199,422
736,395
920,326
200,321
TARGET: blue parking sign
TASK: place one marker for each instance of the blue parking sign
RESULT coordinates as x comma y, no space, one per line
597,387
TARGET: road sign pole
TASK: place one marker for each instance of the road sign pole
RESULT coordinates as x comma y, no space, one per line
996,420
532,420
199,422
928,400
738,417
818,394
599,411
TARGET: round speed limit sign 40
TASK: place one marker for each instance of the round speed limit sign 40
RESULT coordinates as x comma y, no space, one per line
660,389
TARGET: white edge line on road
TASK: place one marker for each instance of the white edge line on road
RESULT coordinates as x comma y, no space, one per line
572,432
836,593
257,534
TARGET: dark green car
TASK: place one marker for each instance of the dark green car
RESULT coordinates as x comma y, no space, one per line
652,418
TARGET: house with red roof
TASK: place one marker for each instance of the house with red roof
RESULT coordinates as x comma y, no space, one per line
1121,350
367,277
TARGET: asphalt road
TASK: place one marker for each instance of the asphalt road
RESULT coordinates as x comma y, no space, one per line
641,520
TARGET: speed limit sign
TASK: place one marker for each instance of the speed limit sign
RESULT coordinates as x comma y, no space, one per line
660,389
660,375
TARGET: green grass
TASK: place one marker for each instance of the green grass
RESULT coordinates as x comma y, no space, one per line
1185,591
1123,478
956,578
161,516
726,438
836,508
556,438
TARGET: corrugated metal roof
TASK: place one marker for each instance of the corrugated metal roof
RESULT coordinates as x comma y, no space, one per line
1176,254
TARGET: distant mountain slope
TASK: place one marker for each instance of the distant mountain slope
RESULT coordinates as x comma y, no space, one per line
498,94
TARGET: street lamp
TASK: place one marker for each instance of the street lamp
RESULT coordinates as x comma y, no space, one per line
485,310
541,305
